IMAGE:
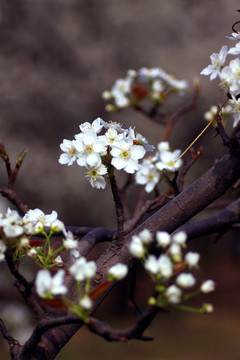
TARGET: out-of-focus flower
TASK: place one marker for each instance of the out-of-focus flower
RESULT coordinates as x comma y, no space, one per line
185,280
48,286
208,286
118,271
83,269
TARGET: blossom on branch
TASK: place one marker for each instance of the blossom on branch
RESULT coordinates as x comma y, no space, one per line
118,271
217,62
82,269
48,286
153,84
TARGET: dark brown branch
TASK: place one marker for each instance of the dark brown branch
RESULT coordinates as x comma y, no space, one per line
9,191
96,236
14,346
209,187
135,332
43,326
231,143
172,181
187,164
11,195
220,222
119,210
122,193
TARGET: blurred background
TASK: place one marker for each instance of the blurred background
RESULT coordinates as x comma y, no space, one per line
56,58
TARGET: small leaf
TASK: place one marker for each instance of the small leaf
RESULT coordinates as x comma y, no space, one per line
99,290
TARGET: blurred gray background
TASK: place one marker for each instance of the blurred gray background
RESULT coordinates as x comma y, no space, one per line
56,58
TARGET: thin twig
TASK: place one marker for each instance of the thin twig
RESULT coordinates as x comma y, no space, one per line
14,346
135,332
119,209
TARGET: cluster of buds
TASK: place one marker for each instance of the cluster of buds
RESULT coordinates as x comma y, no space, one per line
149,173
229,75
102,147
153,84
171,270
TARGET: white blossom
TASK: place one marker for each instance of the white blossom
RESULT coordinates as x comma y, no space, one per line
90,148
136,247
175,251
145,236
185,280
126,155
86,302
32,252
235,36
118,271
151,264
24,242
163,238
94,175
217,62
208,308
235,50
70,243
83,269
179,238
236,111
35,220
173,294
12,224
192,258
208,286
169,160
165,266
147,175
47,284
58,260
70,152
96,126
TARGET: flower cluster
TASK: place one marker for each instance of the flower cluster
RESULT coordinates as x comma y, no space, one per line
100,154
153,84
149,173
51,286
18,237
172,269
229,75
211,114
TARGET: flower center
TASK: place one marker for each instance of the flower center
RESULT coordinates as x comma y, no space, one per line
88,149
126,154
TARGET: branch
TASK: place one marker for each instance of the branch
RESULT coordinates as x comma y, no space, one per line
220,222
14,346
119,210
12,196
135,332
95,236
9,191
209,187
41,328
